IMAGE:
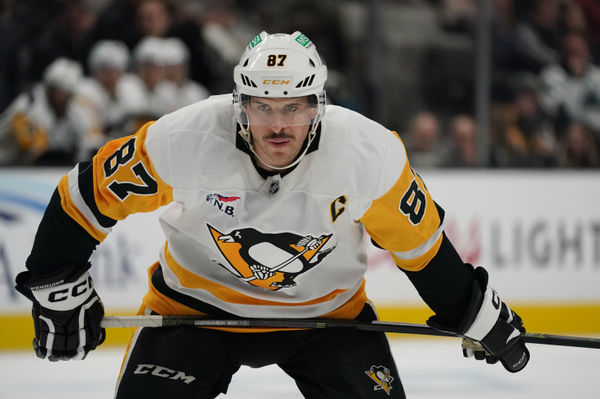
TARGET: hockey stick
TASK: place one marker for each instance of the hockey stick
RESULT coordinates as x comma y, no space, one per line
383,326
279,266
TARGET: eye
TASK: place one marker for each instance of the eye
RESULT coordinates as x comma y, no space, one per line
291,107
263,107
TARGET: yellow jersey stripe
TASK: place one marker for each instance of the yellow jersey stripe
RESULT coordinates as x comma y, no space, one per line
419,263
79,202
164,305
226,294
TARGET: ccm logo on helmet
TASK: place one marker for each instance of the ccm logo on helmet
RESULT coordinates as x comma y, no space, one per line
278,82
76,290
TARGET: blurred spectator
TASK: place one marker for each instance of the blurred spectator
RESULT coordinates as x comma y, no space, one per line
13,35
458,15
572,19
226,34
591,11
130,21
579,148
47,125
571,89
69,36
423,144
176,56
463,143
529,135
328,31
537,36
153,18
163,18
112,96
116,22
505,58
503,36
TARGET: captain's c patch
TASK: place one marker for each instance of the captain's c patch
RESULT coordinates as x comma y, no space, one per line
337,207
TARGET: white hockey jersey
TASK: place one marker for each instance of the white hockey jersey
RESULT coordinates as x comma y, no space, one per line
279,247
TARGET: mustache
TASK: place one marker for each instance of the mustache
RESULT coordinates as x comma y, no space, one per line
280,135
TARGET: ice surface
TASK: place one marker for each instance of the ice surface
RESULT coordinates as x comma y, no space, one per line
429,368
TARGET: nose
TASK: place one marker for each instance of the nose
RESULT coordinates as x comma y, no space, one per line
276,128
278,121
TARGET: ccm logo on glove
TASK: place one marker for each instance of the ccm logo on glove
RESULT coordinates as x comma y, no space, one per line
62,295
66,296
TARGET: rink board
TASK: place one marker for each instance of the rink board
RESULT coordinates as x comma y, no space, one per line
538,233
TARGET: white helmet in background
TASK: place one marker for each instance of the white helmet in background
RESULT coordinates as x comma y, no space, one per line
279,66
175,51
64,74
108,54
149,50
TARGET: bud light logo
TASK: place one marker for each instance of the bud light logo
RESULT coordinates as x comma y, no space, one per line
222,203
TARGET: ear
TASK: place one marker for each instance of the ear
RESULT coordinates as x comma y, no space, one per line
314,111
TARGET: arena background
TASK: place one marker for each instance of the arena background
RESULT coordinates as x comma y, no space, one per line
537,230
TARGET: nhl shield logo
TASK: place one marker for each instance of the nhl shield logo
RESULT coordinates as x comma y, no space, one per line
381,376
270,260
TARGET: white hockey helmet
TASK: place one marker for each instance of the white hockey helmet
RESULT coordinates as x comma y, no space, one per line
64,74
279,65
108,54
150,50
175,51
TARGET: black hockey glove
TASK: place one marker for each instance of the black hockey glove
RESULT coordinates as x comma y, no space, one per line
66,312
491,329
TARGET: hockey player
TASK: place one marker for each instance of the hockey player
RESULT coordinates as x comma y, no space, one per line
114,95
269,200
49,124
177,56
159,94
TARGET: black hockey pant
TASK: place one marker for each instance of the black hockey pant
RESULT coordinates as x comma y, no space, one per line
189,362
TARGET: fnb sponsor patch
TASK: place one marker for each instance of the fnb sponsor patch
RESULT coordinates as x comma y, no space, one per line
223,203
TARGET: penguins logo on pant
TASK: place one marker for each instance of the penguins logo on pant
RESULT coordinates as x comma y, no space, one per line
270,260
381,376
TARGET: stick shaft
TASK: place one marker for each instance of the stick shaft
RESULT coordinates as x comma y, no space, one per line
390,327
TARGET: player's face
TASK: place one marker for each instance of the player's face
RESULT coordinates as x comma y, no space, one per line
279,127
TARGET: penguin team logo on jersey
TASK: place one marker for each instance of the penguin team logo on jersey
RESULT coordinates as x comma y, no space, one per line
270,260
222,203
381,376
